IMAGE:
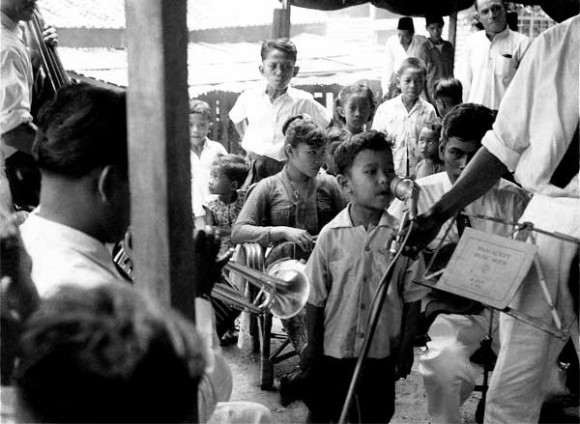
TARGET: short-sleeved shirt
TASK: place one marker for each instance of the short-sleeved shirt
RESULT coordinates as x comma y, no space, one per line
404,128
504,200
439,61
489,66
344,270
200,170
271,203
263,135
539,114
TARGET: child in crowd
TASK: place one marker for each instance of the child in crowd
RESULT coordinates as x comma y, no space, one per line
203,152
222,207
354,108
403,117
335,137
349,259
429,149
448,93
260,113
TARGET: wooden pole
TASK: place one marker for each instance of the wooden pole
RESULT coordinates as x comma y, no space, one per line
281,21
160,175
452,32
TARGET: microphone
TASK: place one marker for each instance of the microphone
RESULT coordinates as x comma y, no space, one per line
406,190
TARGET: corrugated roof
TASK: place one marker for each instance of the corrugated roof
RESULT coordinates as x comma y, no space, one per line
201,14
233,66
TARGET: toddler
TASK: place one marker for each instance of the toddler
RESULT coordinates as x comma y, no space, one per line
402,117
429,149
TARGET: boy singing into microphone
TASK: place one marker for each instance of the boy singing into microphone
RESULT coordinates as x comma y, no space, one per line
350,257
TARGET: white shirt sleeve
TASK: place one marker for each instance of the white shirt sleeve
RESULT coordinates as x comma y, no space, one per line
239,112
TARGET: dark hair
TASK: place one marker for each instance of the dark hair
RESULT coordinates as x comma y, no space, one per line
349,90
336,136
450,87
347,152
412,63
301,129
200,107
435,125
234,167
502,2
282,44
84,127
433,19
108,354
467,121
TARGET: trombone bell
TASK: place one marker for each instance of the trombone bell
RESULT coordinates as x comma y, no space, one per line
284,288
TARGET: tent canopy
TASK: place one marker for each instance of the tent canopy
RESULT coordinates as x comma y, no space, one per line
558,10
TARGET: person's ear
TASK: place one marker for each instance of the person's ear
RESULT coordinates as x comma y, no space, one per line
106,183
340,111
288,150
344,183
296,70
234,186
261,68
441,151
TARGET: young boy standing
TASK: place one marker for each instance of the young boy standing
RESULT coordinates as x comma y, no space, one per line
203,153
402,117
260,113
350,257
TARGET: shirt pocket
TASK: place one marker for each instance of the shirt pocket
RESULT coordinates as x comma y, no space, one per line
342,275
505,66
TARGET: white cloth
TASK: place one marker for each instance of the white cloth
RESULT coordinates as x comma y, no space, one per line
200,171
263,135
344,271
448,374
395,54
62,255
532,139
489,66
403,128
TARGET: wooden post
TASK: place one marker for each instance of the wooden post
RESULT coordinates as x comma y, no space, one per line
281,21
452,32
159,166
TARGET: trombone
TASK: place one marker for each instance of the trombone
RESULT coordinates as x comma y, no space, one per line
284,289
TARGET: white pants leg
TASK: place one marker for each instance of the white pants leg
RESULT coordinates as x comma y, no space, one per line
448,374
528,355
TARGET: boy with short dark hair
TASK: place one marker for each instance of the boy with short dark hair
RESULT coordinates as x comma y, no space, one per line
350,257
260,112
402,117
448,93
203,152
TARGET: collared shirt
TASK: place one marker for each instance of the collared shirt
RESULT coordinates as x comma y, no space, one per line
505,200
62,255
403,128
200,171
489,66
539,113
439,61
344,270
395,54
272,203
263,135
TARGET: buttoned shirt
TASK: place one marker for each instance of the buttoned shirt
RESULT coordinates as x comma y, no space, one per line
439,61
200,171
272,203
489,66
395,54
344,270
263,135
504,200
403,128
539,113
17,80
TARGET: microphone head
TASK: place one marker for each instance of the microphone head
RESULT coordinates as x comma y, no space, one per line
402,188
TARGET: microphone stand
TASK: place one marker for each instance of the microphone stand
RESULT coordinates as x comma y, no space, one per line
376,307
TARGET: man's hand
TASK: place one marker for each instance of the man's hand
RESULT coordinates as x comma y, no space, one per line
425,229
50,35
208,267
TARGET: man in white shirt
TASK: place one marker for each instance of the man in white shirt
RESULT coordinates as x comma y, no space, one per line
535,135
399,47
260,113
492,56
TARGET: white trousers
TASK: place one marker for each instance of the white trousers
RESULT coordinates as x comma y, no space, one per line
448,374
528,354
